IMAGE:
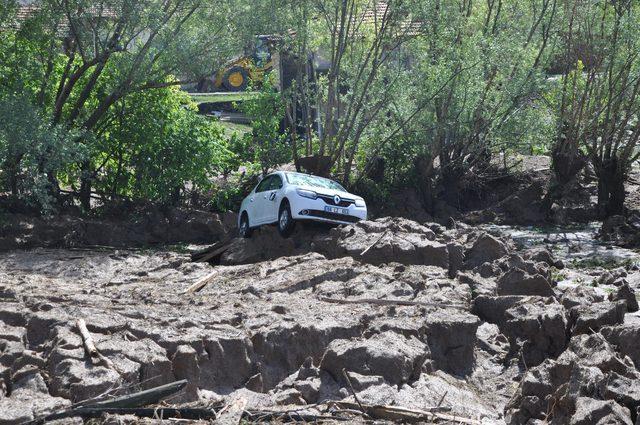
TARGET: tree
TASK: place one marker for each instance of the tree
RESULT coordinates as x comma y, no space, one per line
358,40
477,69
30,148
598,105
88,55
157,148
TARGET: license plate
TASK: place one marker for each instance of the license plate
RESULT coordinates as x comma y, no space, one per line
337,210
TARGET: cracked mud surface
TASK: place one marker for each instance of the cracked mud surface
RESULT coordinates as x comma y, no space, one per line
489,328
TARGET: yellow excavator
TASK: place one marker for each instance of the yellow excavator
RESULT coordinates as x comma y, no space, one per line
237,74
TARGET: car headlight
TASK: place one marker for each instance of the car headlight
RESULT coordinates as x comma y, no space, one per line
307,193
360,203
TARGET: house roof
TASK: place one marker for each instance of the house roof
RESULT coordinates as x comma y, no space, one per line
376,12
27,8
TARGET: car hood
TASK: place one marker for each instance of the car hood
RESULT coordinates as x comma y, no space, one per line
328,192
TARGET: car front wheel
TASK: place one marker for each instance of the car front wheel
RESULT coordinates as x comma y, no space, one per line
244,231
286,223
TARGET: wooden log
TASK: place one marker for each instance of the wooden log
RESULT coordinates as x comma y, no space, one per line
364,251
277,417
213,251
201,283
141,398
404,414
130,404
387,302
89,346
147,412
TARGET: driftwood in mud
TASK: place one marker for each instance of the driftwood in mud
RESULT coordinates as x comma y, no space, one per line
390,302
212,252
143,412
141,398
201,283
288,416
131,404
94,355
364,251
404,414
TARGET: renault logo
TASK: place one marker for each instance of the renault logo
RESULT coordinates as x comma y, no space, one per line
336,199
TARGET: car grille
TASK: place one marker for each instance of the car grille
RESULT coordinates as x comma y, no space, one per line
343,202
333,216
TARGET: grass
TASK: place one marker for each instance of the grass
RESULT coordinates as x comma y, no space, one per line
231,127
558,275
606,263
222,97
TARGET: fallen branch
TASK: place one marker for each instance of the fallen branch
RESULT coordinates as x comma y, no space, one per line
442,399
213,251
201,283
94,355
143,412
353,392
364,251
403,414
386,302
129,404
271,416
141,398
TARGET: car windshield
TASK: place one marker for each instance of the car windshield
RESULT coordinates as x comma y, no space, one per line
313,181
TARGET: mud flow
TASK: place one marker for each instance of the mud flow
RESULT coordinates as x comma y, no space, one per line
444,325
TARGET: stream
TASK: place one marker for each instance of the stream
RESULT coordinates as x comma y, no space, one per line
576,245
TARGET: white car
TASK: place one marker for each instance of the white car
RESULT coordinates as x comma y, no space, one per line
284,197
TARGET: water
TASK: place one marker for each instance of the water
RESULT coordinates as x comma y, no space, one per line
572,244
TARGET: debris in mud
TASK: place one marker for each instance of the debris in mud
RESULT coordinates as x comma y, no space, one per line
427,323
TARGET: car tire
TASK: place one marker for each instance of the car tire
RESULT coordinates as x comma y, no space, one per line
244,231
286,223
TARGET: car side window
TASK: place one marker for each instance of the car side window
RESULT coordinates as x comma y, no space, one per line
276,183
264,184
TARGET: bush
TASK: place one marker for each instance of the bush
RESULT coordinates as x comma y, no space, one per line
160,148
31,151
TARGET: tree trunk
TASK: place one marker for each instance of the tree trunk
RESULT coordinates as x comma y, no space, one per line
175,196
611,194
566,167
450,180
11,170
85,186
424,169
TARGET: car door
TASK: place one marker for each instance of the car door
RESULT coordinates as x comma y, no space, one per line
272,197
258,202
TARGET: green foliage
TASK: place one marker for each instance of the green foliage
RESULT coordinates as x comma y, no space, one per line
436,89
31,149
158,147
266,144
